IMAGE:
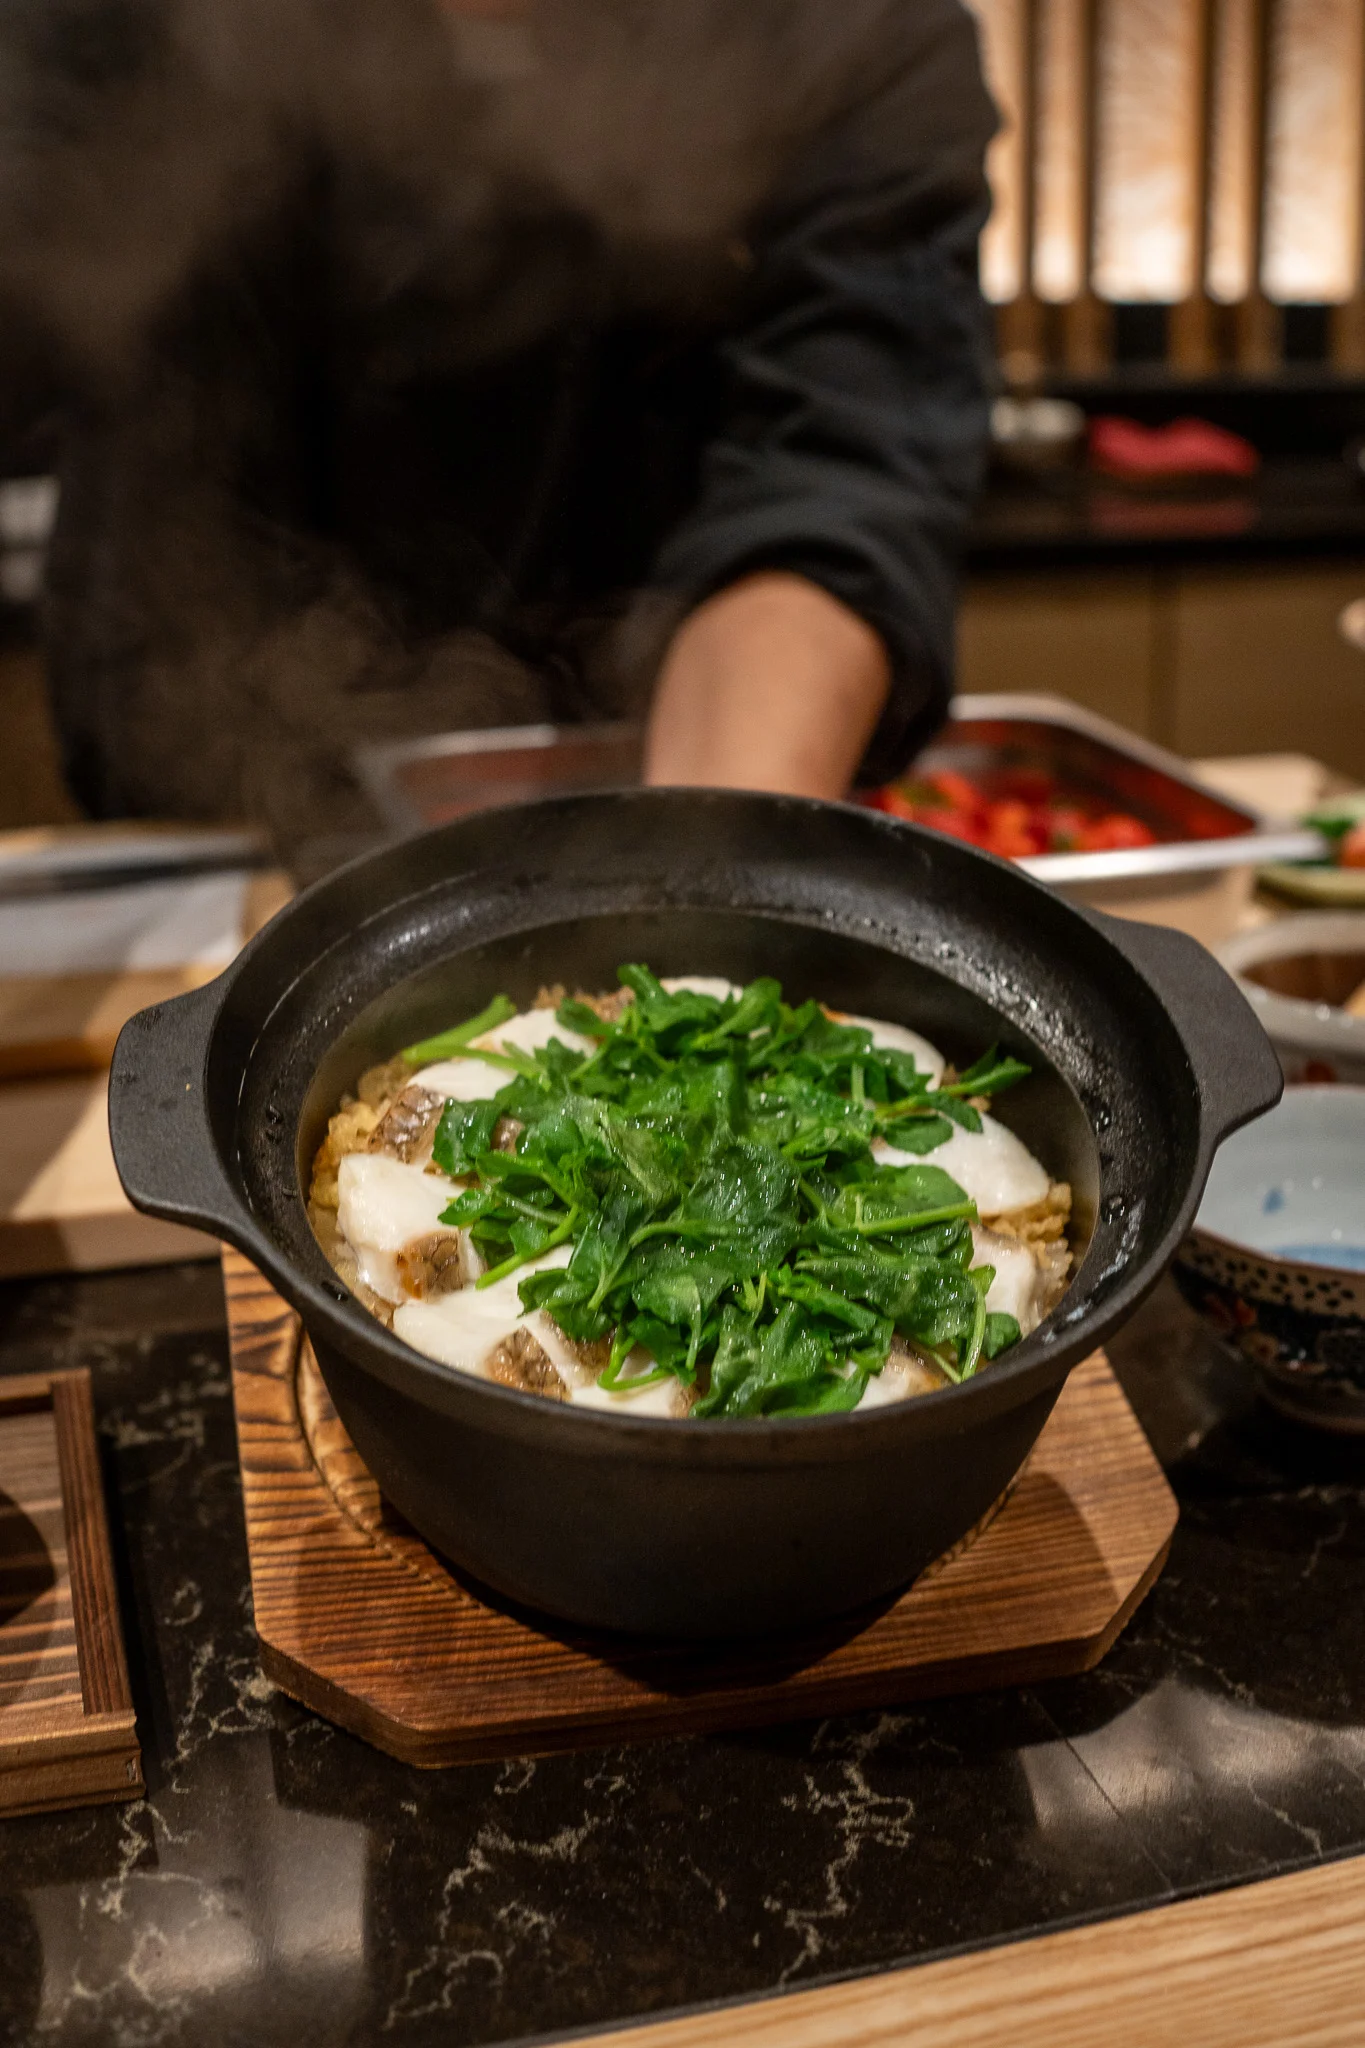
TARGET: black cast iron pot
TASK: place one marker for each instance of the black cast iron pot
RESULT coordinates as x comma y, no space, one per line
1144,1056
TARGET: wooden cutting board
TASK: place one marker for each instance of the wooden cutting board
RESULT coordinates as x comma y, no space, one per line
61,1206
68,1023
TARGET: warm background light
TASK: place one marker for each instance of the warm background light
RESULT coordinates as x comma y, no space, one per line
1005,50
1176,151
1149,141
1234,151
1059,149
1313,168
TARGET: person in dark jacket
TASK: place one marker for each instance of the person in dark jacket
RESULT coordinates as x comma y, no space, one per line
445,366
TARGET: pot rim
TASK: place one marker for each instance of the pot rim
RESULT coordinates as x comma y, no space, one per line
1144,954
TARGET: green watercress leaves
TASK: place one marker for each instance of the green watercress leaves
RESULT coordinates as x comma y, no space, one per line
710,1164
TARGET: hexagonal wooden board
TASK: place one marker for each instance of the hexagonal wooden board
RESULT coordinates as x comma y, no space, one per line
362,1622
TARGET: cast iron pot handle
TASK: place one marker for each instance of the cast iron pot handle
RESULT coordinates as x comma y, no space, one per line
1235,1064
164,1145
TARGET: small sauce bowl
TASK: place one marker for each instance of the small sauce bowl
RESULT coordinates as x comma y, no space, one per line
1296,974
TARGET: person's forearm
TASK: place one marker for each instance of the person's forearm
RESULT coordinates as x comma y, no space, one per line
770,684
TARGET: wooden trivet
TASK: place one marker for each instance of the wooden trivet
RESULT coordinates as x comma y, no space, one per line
362,1622
66,1715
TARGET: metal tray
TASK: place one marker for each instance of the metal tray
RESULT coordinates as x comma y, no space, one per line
1200,831
416,783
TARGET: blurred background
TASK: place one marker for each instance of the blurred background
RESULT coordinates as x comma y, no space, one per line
1176,236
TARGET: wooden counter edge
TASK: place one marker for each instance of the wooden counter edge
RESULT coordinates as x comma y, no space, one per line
1274,1964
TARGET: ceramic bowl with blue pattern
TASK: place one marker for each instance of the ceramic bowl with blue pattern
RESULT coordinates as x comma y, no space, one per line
1275,1262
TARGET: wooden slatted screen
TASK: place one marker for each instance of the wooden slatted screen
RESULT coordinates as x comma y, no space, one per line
1203,155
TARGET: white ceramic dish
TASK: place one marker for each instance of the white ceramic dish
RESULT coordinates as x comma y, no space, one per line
1316,1040
1276,1260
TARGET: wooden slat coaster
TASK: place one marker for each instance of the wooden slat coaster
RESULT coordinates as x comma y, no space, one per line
67,1736
359,1620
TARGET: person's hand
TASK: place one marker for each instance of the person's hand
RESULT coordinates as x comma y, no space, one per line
770,684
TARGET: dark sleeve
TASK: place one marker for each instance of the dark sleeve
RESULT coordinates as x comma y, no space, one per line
859,373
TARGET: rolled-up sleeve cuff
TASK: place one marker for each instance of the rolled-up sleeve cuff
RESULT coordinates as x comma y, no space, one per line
701,561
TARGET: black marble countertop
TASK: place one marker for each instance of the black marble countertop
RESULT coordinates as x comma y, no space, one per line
281,1882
